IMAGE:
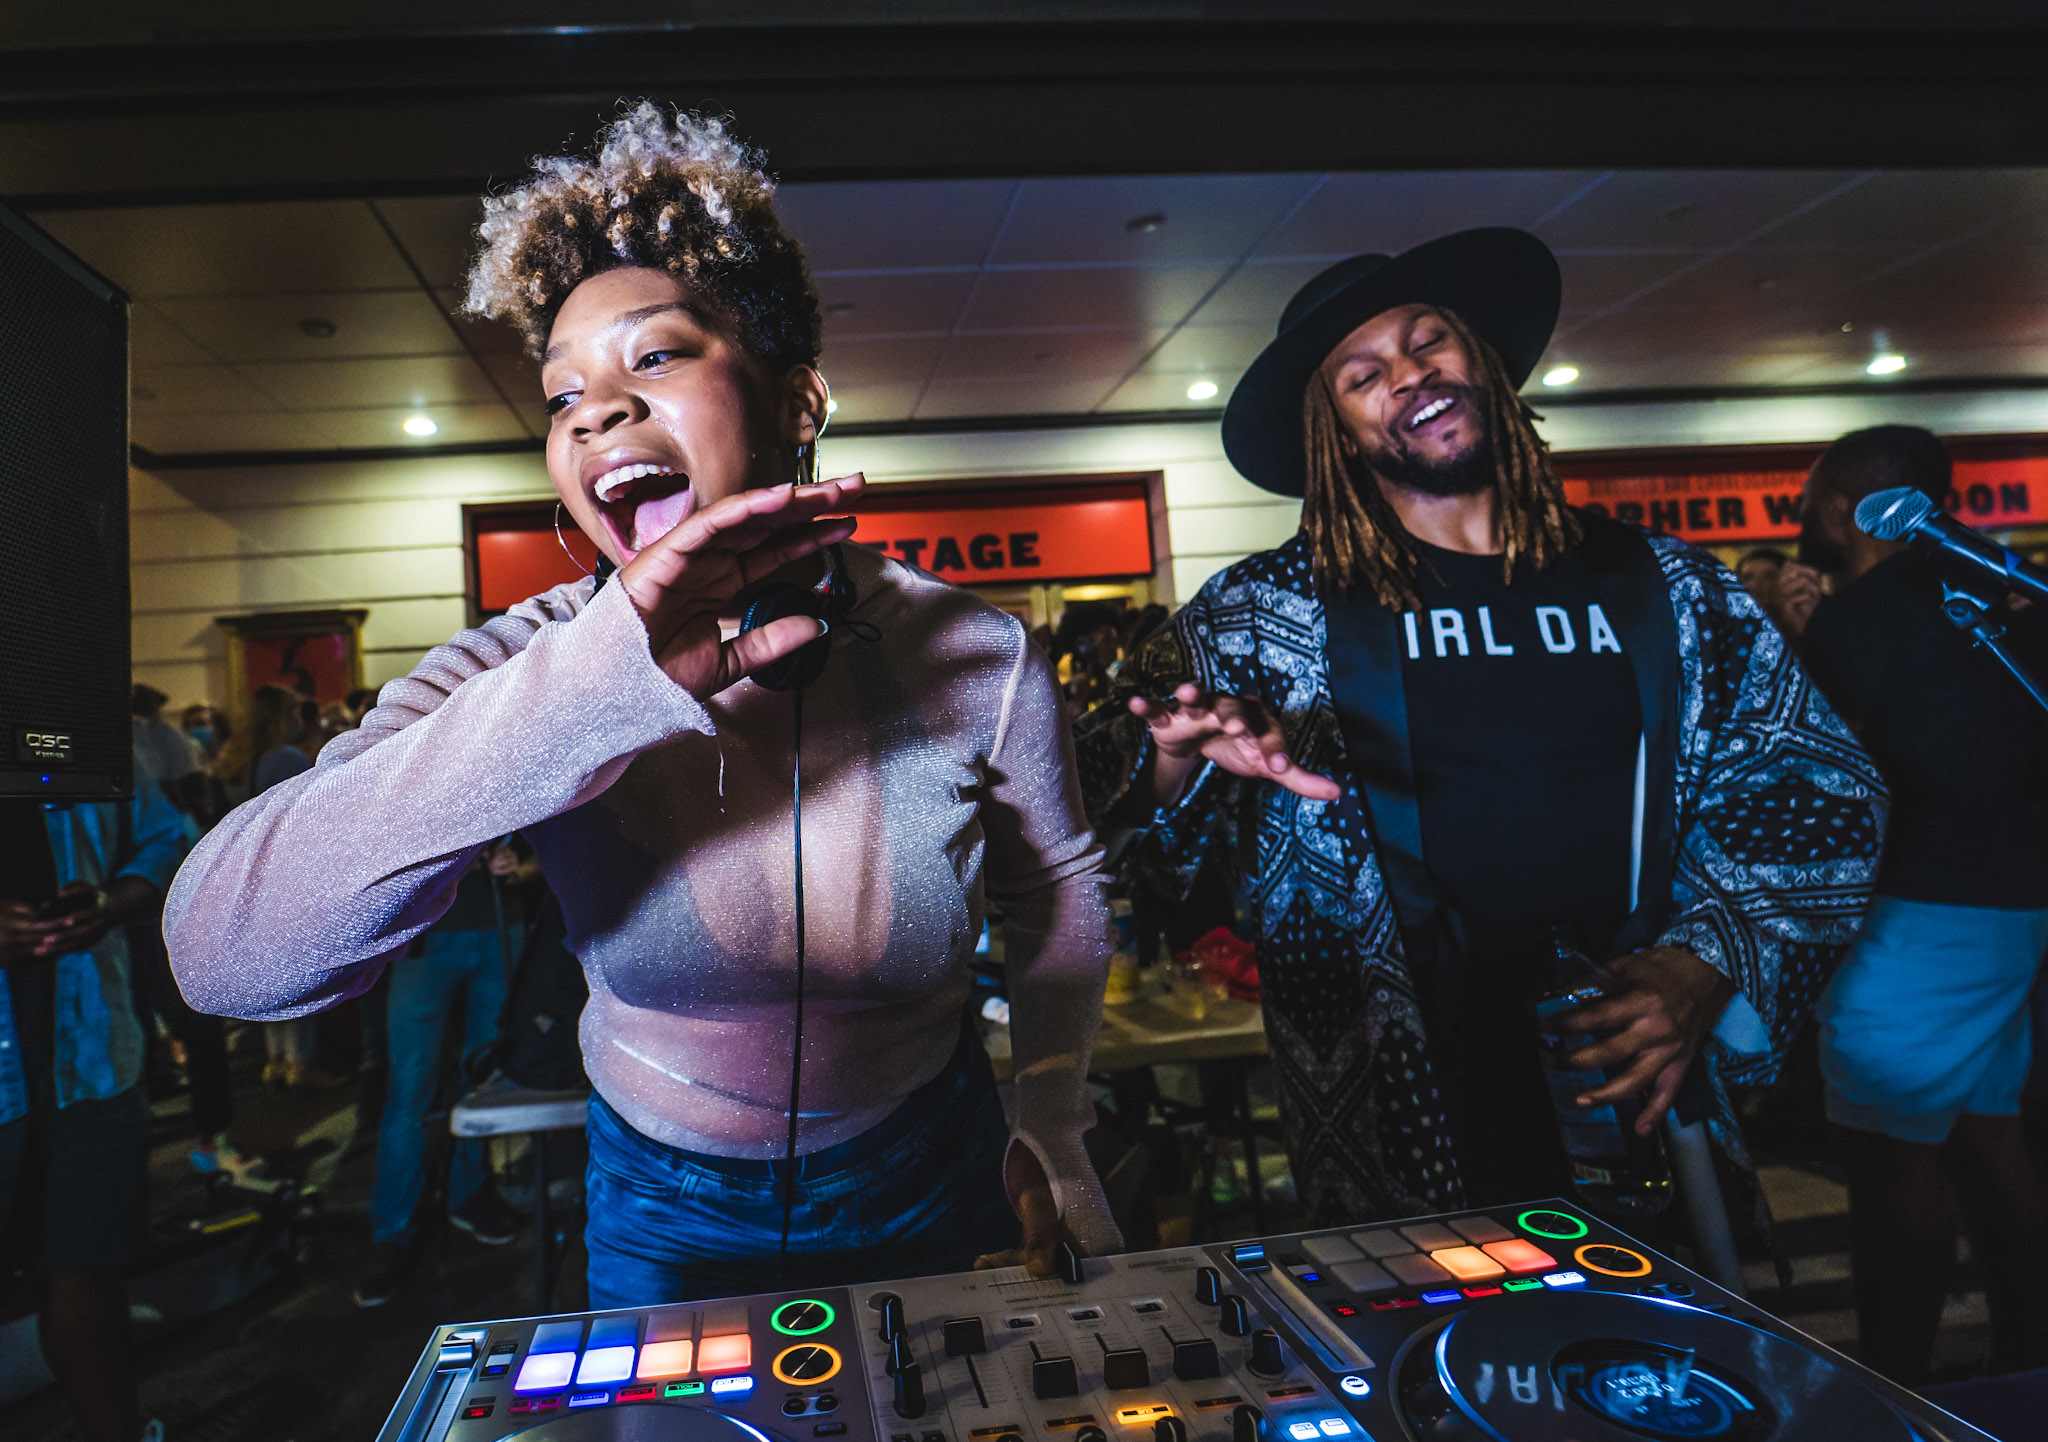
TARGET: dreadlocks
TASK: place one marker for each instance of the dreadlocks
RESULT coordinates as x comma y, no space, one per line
1356,540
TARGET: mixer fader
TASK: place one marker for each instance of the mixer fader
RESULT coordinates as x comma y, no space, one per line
1536,1322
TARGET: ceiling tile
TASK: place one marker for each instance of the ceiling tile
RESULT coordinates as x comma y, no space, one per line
1005,398
1123,298
1909,210
1594,281
437,231
518,380
283,431
864,225
1672,369
266,327
1073,355
484,337
869,405
1683,210
1164,391
1752,280
1086,219
858,364
1257,292
410,381
237,249
1218,351
1390,212
458,424
154,341
188,390
892,304
2000,362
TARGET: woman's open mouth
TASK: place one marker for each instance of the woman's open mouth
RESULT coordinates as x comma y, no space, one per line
641,502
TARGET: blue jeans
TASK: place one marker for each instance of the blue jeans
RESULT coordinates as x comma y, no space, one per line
454,968
919,1192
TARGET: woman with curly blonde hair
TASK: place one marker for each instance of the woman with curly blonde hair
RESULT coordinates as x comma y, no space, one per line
613,722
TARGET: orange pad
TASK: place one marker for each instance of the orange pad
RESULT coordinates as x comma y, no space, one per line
664,1359
1519,1256
1467,1264
733,1352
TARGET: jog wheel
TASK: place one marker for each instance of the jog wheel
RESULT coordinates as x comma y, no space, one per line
647,1422
1610,1367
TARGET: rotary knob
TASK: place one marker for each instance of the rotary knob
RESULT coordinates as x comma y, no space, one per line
910,1391
1268,1359
1247,1424
1208,1286
1169,1429
1237,1316
1091,1433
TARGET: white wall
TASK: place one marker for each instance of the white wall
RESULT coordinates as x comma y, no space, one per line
387,535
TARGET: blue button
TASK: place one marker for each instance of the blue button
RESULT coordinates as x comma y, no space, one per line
590,1399
1249,1254
1309,1278
1355,1386
1437,1299
731,1386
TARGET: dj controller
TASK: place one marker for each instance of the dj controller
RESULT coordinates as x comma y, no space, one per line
1537,1322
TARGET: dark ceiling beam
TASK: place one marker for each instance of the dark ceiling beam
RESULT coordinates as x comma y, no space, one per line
370,114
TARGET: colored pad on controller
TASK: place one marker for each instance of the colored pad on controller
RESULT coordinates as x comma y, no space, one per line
1519,1256
1416,1270
1329,1251
1367,1279
661,1360
545,1370
605,1364
1467,1264
1384,1242
1431,1237
1479,1230
733,1352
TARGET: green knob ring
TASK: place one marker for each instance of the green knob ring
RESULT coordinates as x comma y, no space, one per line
775,1317
1535,1231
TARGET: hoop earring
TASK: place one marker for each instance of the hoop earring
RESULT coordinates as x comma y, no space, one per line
564,544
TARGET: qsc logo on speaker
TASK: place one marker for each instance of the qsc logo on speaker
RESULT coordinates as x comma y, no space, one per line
43,745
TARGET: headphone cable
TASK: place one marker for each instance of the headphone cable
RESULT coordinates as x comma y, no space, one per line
796,1051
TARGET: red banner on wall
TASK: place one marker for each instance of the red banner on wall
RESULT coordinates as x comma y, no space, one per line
1048,533
1713,497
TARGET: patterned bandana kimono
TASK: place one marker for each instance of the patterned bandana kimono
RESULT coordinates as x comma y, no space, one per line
1758,832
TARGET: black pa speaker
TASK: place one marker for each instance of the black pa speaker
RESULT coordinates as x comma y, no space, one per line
63,522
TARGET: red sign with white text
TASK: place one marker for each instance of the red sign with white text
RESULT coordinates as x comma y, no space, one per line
1048,533
1711,497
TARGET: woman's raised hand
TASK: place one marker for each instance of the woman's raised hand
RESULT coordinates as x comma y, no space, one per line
1236,734
685,581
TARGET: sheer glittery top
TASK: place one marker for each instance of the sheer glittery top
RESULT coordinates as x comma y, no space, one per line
938,774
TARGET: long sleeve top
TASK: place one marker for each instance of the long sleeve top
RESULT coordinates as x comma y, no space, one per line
938,774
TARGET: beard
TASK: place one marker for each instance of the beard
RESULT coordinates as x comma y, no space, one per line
1465,474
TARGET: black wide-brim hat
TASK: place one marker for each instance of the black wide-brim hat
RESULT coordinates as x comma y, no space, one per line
1503,283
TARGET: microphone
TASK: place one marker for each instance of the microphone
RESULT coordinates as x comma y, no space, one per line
1905,513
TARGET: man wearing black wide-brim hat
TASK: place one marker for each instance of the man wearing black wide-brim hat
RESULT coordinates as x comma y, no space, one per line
1478,721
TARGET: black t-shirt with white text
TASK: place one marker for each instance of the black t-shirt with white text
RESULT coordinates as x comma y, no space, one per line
1524,729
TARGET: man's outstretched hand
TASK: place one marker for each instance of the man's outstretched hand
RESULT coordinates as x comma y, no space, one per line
1192,726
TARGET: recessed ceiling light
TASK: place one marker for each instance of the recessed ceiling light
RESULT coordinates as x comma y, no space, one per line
420,426
1848,327
831,406
317,328
1145,224
1560,375
1888,364
1202,391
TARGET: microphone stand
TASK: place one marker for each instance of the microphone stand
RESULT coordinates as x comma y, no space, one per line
1976,618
